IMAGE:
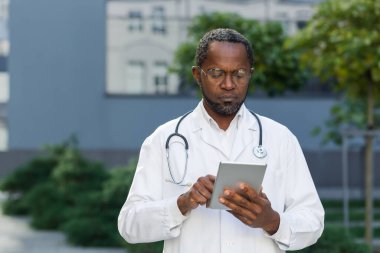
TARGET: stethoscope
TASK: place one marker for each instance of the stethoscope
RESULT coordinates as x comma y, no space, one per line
259,151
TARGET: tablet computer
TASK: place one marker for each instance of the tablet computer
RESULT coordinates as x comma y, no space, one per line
232,173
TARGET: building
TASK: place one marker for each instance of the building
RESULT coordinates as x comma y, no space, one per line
157,27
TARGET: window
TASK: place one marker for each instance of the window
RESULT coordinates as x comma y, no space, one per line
301,24
158,20
134,77
138,55
160,76
3,136
4,87
135,21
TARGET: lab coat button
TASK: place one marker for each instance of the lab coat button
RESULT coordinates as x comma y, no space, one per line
230,243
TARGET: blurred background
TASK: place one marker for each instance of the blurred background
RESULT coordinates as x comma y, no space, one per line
83,83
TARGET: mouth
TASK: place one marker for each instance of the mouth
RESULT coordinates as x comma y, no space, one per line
227,99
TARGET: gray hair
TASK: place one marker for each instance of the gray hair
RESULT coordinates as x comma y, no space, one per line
221,35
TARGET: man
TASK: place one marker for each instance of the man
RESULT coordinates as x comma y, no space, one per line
169,196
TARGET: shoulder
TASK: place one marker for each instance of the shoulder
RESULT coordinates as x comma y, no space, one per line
163,131
275,128
273,124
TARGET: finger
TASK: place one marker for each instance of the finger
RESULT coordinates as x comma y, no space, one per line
236,198
197,196
207,182
243,219
201,189
255,206
252,194
263,195
193,203
187,203
212,178
237,209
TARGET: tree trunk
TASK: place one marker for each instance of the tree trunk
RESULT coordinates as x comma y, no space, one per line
369,166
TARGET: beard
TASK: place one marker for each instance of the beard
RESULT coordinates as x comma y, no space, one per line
226,109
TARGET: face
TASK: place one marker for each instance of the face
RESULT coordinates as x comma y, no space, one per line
224,95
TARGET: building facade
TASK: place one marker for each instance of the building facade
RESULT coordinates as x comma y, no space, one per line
142,36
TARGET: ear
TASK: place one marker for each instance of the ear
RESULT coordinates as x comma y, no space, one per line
196,74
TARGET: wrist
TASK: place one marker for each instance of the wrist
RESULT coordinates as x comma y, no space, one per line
273,226
181,203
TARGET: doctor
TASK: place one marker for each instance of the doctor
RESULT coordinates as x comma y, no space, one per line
169,196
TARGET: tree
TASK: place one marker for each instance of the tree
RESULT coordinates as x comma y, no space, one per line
342,41
276,68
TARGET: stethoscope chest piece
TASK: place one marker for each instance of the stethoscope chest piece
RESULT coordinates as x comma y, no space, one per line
259,151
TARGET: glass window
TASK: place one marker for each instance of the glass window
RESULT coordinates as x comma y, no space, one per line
135,21
4,87
158,20
160,77
134,77
3,136
301,24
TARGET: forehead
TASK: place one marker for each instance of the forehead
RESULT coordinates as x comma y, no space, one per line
227,54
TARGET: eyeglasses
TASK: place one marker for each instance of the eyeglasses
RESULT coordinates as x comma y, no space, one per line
217,76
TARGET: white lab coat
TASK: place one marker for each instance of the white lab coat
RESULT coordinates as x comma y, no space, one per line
150,212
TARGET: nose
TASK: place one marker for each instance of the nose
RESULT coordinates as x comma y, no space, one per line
228,83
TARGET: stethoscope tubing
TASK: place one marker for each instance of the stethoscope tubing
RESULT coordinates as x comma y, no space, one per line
258,151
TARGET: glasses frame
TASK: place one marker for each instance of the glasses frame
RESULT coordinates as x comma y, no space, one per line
225,74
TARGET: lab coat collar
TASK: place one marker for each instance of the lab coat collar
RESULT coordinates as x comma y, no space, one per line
245,133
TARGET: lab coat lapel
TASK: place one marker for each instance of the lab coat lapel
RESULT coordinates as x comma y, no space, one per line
245,135
211,139
202,127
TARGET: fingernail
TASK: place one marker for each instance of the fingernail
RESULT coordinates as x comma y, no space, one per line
227,192
221,200
242,186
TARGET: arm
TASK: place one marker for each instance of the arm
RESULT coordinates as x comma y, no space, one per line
146,216
301,221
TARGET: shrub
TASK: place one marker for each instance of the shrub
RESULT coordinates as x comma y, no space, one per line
101,208
47,206
72,180
29,175
75,175
65,191
91,231
22,180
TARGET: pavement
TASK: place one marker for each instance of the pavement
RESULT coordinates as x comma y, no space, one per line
16,236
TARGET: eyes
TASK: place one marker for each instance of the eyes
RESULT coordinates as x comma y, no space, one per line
239,76
220,73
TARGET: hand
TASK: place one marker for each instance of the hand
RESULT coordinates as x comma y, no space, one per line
199,194
252,208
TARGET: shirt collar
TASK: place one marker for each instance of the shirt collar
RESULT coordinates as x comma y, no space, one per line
212,123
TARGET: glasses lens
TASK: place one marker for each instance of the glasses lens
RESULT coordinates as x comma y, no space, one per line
239,77
216,73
